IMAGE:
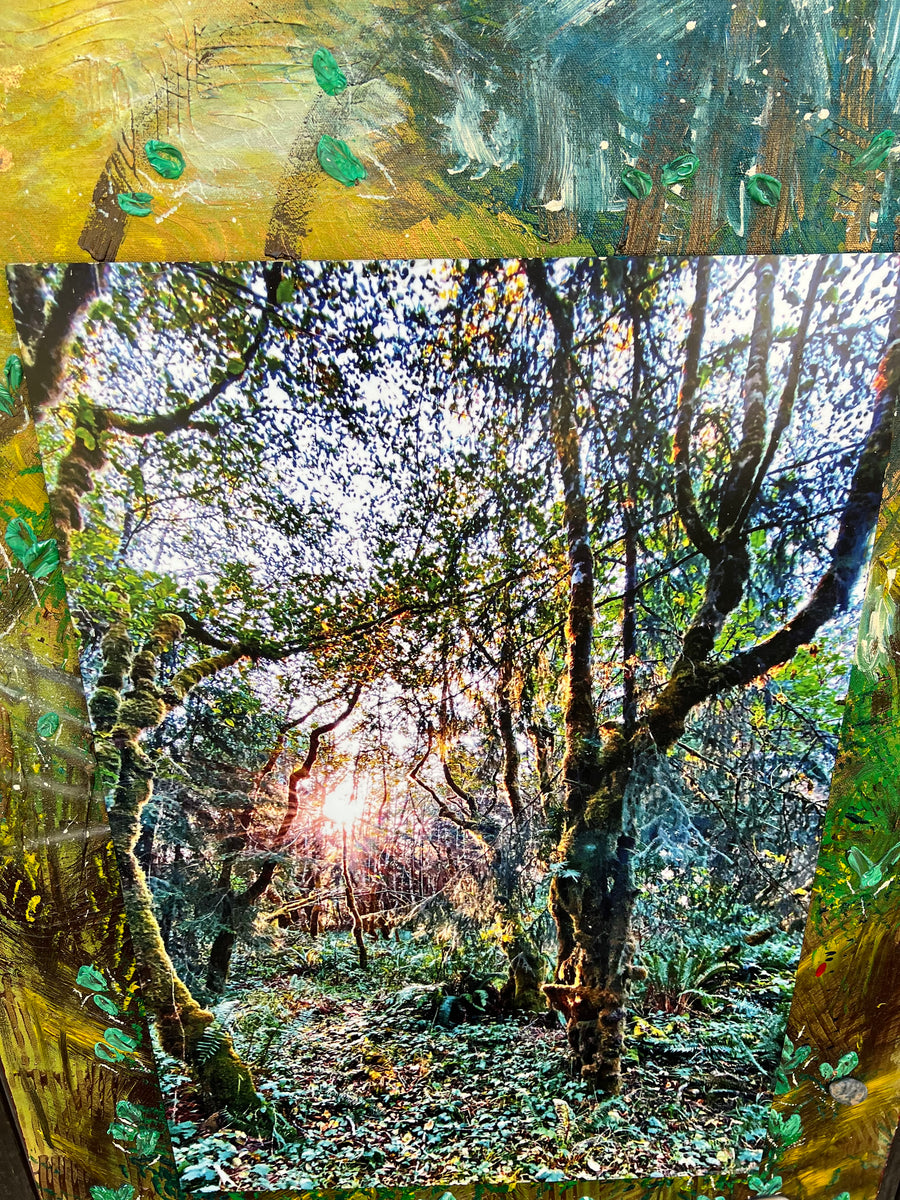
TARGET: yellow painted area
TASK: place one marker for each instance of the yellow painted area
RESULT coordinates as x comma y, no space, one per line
75,74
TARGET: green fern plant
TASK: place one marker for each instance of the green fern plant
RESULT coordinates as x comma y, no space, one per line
677,979
211,1042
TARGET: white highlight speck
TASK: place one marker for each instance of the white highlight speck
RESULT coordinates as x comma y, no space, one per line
691,25
761,23
823,113
604,145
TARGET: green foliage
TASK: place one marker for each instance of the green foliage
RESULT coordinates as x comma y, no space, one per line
136,204
13,381
165,159
637,182
785,1130
871,873
39,558
764,189
90,977
679,169
764,1187
211,1042
47,724
329,76
845,1066
876,152
125,1192
338,160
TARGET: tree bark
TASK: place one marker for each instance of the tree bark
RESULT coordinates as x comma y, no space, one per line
352,905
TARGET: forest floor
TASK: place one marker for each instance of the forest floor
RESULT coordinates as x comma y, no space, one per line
377,1085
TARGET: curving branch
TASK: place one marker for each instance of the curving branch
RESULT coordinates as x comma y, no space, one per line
692,684
305,769
46,330
483,830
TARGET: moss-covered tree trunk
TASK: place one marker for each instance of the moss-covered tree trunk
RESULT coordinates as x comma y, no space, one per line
125,774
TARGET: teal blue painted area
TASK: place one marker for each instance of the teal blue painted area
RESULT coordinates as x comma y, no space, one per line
542,108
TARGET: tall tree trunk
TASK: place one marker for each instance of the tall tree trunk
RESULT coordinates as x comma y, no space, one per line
352,905
125,773
592,894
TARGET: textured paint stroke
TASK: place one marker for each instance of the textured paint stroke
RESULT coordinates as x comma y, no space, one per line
485,126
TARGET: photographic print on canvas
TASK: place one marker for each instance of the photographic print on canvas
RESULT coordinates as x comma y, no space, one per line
466,646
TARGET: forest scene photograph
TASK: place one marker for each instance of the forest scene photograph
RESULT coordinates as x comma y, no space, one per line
466,646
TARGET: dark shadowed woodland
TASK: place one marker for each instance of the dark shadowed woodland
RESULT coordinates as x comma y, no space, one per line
466,647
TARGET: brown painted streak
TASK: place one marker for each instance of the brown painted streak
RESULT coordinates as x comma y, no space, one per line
59,1178
656,223
778,158
288,222
106,224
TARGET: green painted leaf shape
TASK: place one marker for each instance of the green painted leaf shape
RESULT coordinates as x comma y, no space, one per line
800,1055
847,1063
90,977
891,857
7,404
826,1071
764,189
136,204
858,861
42,559
13,372
637,182
119,1040
791,1128
235,366
680,168
145,1141
122,1133
131,1114
108,1005
284,293
101,1192
47,724
107,1053
872,878
876,152
20,537
338,160
329,76
165,159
